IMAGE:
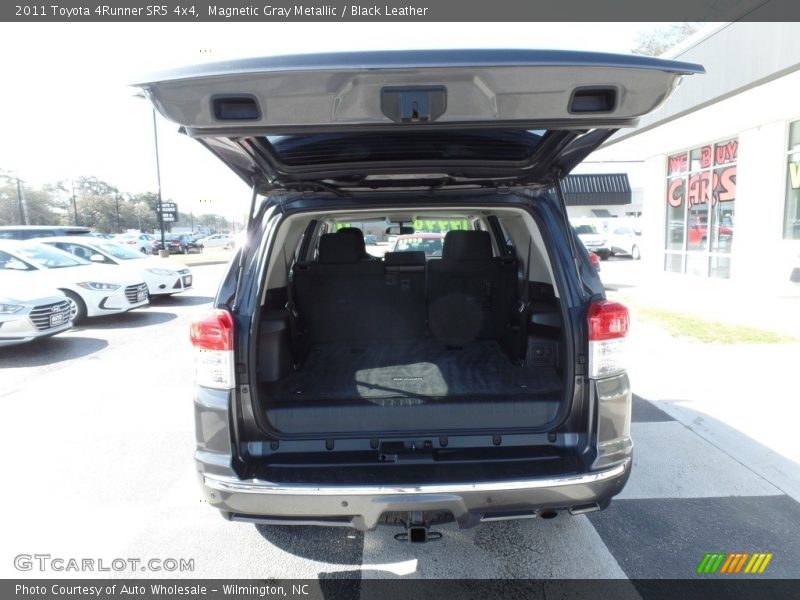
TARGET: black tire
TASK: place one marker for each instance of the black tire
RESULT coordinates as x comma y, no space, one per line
77,309
635,254
604,254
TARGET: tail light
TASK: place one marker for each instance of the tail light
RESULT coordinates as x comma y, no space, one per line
212,337
608,325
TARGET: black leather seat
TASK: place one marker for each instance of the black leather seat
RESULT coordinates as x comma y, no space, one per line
335,295
358,237
471,293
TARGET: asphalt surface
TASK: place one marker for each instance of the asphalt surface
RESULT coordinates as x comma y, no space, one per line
98,435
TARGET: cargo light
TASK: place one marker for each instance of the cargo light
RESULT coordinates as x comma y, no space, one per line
608,325
212,337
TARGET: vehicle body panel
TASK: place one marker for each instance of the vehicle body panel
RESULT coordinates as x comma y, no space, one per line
515,91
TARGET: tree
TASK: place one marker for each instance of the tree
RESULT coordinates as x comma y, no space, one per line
39,204
657,41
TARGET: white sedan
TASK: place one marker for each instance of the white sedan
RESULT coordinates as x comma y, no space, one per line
162,275
142,242
218,240
28,310
92,290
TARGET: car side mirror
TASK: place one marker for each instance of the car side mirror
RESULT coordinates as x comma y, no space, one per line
97,258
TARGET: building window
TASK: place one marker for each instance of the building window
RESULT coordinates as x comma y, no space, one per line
791,221
701,200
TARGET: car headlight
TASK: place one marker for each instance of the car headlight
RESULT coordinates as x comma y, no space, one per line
160,271
99,287
10,309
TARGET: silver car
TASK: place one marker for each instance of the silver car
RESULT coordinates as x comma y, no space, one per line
28,310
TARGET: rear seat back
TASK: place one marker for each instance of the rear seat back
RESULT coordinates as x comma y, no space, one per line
403,295
471,293
335,295
342,297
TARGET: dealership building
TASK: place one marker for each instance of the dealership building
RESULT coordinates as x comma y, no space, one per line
716,170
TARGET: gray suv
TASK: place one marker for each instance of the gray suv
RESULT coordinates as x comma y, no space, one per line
336,387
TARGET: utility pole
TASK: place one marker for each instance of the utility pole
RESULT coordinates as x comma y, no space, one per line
23,209
74,204
116,198
163,252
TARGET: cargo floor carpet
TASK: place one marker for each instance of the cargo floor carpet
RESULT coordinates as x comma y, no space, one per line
414,386
421,370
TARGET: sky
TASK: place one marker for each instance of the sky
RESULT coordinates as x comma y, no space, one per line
67,108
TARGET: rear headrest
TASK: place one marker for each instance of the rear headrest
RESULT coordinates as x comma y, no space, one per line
357,235
415,258
338,249
467,245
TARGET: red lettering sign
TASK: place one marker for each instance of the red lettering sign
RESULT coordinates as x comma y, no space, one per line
677,163
705,157
726,153
724,185
675,192
700,186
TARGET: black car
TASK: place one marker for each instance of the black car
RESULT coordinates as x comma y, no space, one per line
177,244
485,384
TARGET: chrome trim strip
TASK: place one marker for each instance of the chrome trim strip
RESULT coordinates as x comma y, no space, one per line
256,486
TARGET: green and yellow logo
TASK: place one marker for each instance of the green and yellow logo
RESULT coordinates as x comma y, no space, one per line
734,562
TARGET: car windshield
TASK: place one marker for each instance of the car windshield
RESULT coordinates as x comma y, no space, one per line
117,251
430,246
584,229
49,257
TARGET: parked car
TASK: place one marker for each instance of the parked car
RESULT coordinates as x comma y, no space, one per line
28,310
595,261
624,240
28,232
429,243
698,232
218,240
487,384
370,239
142,242
92,290
593,240
177,243
162,275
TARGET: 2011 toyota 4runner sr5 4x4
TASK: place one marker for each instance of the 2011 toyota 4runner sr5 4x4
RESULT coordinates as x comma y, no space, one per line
335,387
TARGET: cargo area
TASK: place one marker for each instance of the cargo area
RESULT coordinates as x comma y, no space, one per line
409,343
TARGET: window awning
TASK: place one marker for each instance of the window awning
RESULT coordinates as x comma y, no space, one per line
597,190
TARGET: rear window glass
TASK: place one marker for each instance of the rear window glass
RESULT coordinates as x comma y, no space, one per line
509,146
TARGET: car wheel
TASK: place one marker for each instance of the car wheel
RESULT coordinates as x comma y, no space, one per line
635,254
604,254
143,250
77,307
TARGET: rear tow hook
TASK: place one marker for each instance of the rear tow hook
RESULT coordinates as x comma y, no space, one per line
417,531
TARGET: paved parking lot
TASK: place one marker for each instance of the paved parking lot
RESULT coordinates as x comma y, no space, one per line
98,439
